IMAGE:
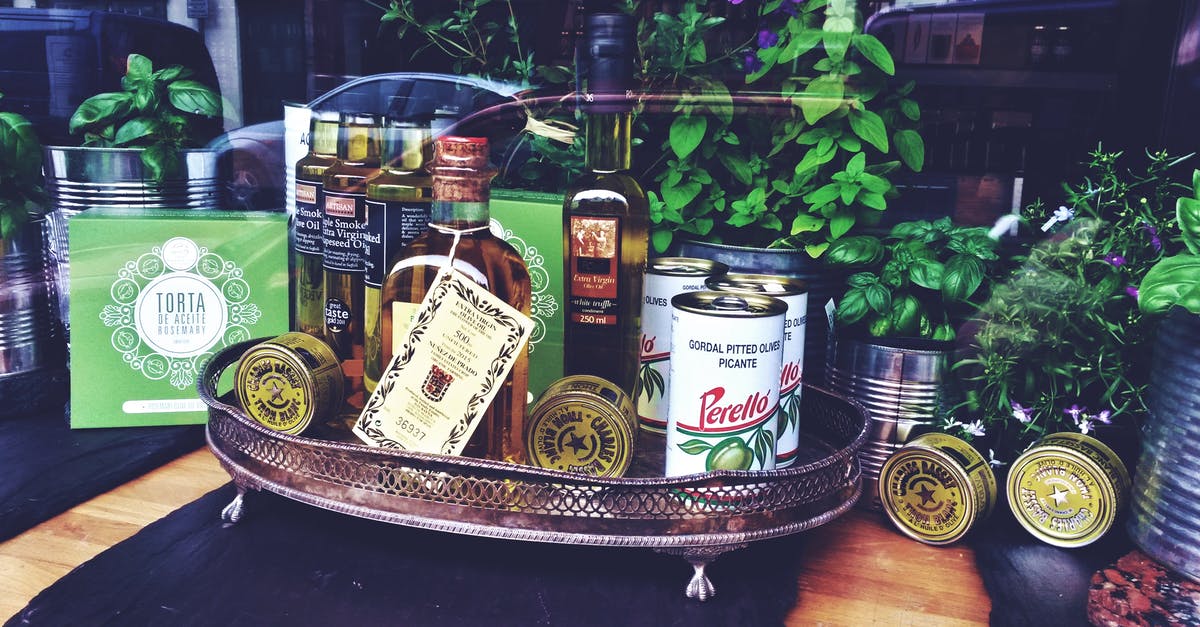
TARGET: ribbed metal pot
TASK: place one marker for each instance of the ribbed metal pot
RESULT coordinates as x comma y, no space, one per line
823,284
30,342
901,385
1165,513
80,178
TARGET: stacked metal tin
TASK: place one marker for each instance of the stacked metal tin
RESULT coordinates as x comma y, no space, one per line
1165,517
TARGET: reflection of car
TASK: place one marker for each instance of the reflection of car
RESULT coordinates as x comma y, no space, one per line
256,162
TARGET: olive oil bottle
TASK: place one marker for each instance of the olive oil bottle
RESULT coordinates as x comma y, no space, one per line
342,237
605,220
398,204
459,228
309,295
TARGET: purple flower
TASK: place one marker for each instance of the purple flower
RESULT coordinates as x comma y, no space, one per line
1154,240
1104,416
1085,426
1024,415
1116,260
735,1
1075,411
1132,291
974,428
753,64
767,38
790,8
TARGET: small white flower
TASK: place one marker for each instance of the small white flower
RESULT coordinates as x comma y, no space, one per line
1022,414
1104,416
993,462
1085,426
975,428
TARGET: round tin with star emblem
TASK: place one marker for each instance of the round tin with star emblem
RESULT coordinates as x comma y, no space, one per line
287,382
1067,489
936,488
583,424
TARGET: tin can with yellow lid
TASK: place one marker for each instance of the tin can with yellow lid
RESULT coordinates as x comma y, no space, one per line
584,424
936,488
287,382
1067,489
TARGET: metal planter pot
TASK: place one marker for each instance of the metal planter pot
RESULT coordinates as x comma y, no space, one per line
84,178
1165,511
31,351
823,284
901,383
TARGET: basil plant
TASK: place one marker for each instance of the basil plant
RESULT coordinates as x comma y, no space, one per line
1175,280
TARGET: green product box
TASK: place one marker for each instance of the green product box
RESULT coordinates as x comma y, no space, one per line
532,223
155,294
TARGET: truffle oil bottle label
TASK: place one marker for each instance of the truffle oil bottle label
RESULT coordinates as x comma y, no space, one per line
309,293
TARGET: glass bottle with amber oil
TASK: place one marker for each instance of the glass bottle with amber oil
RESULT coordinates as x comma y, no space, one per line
308,306
342,230
605,220
398,201
461,192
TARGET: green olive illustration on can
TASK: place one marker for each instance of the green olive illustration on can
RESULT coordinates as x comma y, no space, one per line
729,454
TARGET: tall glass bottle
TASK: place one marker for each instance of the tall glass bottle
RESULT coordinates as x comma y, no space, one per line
308,307
461,191
342,231
605,220
398,208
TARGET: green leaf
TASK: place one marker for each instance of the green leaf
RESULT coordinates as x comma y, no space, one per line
848,192
836,37
661,240
20,149
135,129
826,193
852,307
841,222
911,148
679,196
737,166
857,251
686,134
695,447
195,98
858,279
963,274
1172,281
879,298
869,126
856,165
806,223
910,109
927,273
799,44
138,67
100,110
873,183
160,160
171,73
1187,215
822,96
816,250
875,52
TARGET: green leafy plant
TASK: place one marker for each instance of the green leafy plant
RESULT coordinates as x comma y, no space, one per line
21,193
155,110
1062,344
918,281
1175,280
716,167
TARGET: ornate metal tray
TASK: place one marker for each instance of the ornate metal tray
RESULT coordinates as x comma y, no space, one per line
697,516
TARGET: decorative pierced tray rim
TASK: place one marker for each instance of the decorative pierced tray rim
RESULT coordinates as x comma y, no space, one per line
604,511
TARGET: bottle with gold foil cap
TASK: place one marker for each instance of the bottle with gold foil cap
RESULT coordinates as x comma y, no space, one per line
1067,489
936,488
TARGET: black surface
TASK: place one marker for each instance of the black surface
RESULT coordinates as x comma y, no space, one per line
1033,583
291,564
48,468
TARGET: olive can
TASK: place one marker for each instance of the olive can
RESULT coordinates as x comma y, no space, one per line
666,277
794,292
584,424
287,382
1067,489
936,488
727,350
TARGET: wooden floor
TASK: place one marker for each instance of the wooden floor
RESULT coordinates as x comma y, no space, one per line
857,570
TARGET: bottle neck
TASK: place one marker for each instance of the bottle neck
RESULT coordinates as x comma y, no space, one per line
608,141
404,148
359,143
325,138
458,214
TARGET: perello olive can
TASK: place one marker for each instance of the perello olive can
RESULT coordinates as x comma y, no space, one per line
1067,489
582,423
794,292
936,488
665,278
726,352
287,382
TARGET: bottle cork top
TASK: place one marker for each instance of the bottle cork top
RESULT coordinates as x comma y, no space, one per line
460,168
461,152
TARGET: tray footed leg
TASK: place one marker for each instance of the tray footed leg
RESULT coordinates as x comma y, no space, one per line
236,508
700,587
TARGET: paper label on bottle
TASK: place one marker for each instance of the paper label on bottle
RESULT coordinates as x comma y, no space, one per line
342,231
595,263
388,227
461,345
308,217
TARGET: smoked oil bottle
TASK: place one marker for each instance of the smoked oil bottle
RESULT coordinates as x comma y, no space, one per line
308,308
398,209
342,238
461,193
605,218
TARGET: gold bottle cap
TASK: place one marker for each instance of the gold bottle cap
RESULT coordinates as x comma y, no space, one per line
580,426
935,488
274,390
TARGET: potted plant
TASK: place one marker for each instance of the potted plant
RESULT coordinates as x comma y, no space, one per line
140,144
1062,344
31,343
1163,484
907,293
